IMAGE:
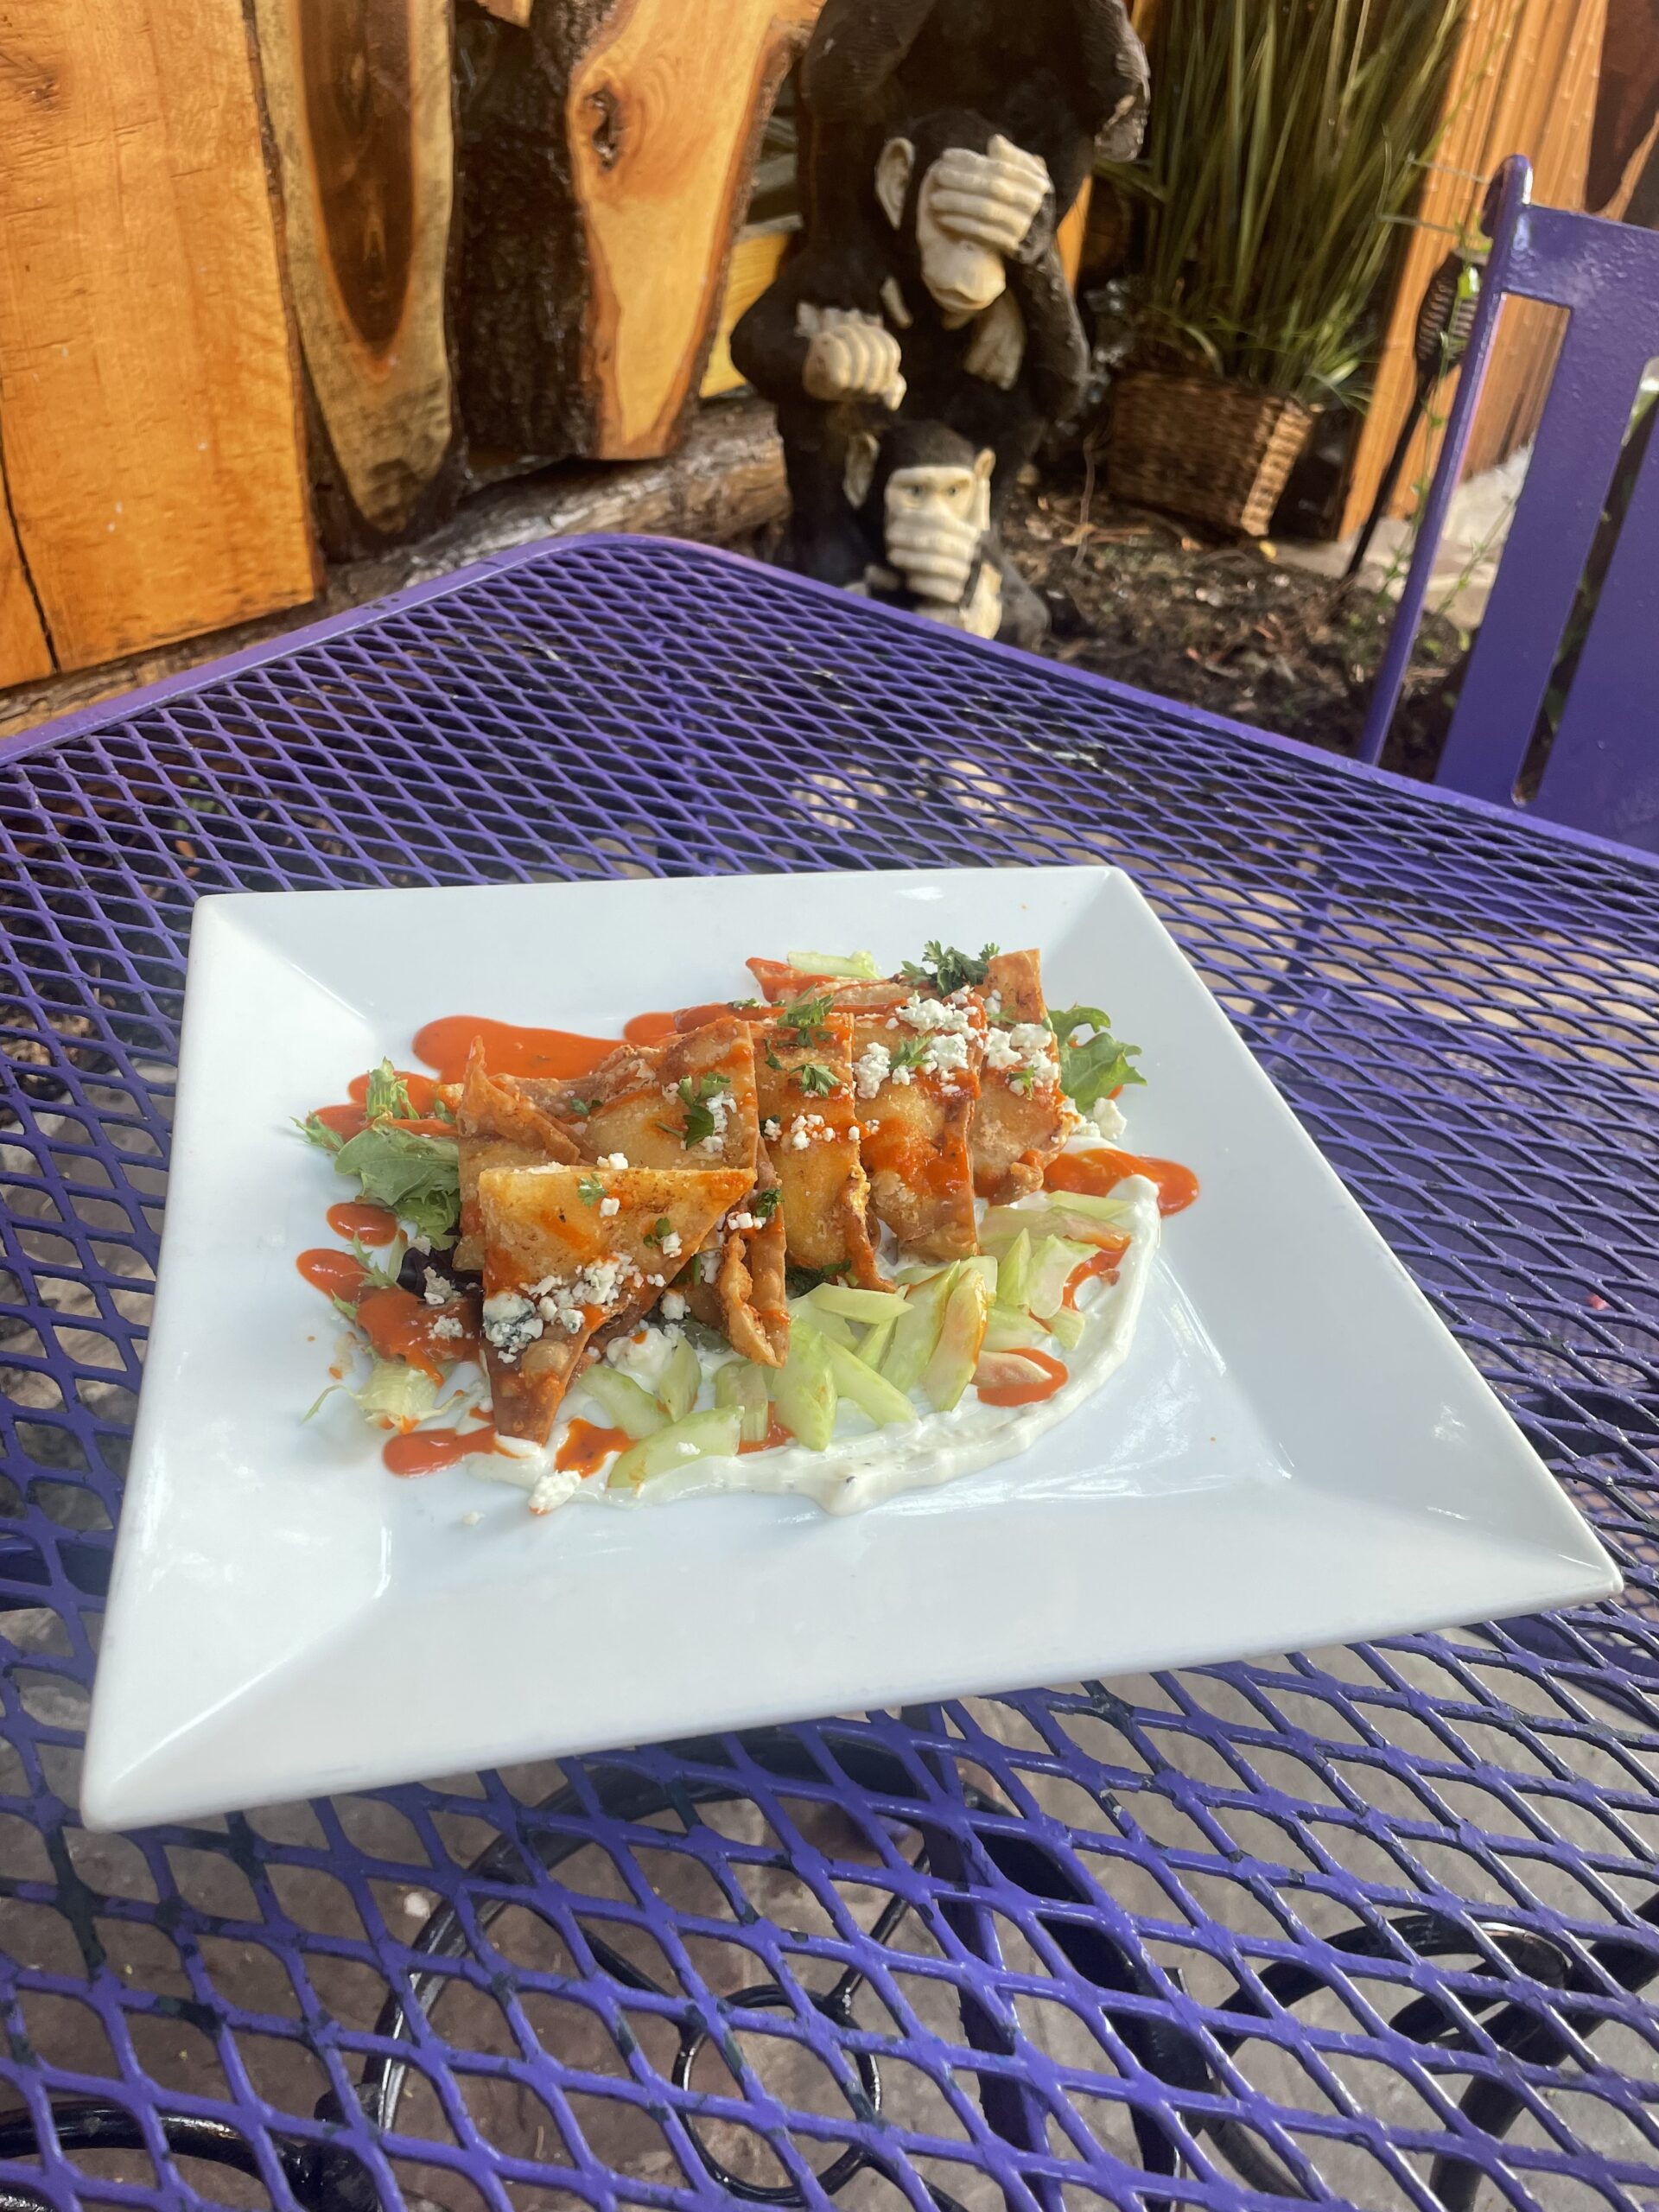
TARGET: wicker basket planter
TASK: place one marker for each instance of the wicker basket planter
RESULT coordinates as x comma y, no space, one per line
1217,452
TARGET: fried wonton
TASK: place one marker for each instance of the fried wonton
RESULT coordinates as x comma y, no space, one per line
1020,1122
804,1078
497,1125
557,1266
917,1064
687,1102
737,1283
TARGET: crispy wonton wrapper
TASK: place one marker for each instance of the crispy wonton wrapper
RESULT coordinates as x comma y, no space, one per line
745,1294
497,1126
642,1102
637,1102
544,1231
804,1078
917,1135
1016,1132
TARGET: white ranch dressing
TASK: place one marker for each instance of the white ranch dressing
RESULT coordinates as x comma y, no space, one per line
863,1467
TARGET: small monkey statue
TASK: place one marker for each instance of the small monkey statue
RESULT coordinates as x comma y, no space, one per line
955,311
924,497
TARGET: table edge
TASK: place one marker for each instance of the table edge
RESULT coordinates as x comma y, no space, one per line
83,721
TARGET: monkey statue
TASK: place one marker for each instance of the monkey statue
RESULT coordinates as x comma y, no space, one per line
943,312
922,496
1061,79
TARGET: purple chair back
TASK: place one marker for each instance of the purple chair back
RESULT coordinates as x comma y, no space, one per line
1603,770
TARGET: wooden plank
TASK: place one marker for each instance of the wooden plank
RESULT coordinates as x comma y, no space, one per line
1558,118
1073,231
1522,81
1627,106
148,392
24,651
665,110
726,481
360,104
756,258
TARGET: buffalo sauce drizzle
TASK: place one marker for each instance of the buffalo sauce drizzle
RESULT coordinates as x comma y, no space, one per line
1104,1265
586,1447
775,1440
370,1225
1096,1172
398,1324
1047,1376
508,1047
426,1451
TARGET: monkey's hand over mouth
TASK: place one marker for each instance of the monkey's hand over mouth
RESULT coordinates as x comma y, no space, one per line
934,552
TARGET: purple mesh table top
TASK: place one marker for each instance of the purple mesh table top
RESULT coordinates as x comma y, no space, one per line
1374,1927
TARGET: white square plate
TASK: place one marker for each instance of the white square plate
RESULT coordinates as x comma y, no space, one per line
1295,1453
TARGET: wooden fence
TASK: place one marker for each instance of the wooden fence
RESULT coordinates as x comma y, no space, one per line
1524,81
279,279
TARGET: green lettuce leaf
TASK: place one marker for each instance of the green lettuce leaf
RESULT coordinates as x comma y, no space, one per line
417,1178
1099,1065
388,1095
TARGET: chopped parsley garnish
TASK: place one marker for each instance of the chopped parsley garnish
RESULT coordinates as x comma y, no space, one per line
1099,1065
581,1108
591,1190
388,1096
808,1018
816,1082
773,1062
944,970
797,1281
911,1052
764,1203
741,1006
662,1227
694,1094
1023,1080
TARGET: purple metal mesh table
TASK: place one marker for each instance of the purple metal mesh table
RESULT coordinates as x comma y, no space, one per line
1372,1927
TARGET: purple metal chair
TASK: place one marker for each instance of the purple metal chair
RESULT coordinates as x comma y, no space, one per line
1603,769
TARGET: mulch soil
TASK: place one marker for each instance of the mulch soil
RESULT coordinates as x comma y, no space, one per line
1224,626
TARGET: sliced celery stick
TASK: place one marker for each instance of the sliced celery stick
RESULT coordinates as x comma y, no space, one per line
856,966
803,1389
712,1435
623,1403
1000,1225
1110,1208
918,1332
803,1311
1014,1276
680,1381
877,1337
1067,1325
854,1305
1012,1331
862,1387
1053,1263
961,1340
985,1265
742,1384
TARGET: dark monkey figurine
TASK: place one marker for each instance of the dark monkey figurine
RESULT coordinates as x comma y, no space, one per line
1062,78
924,497
943,308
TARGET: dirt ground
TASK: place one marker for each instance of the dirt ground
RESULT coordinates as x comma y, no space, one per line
1223,626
